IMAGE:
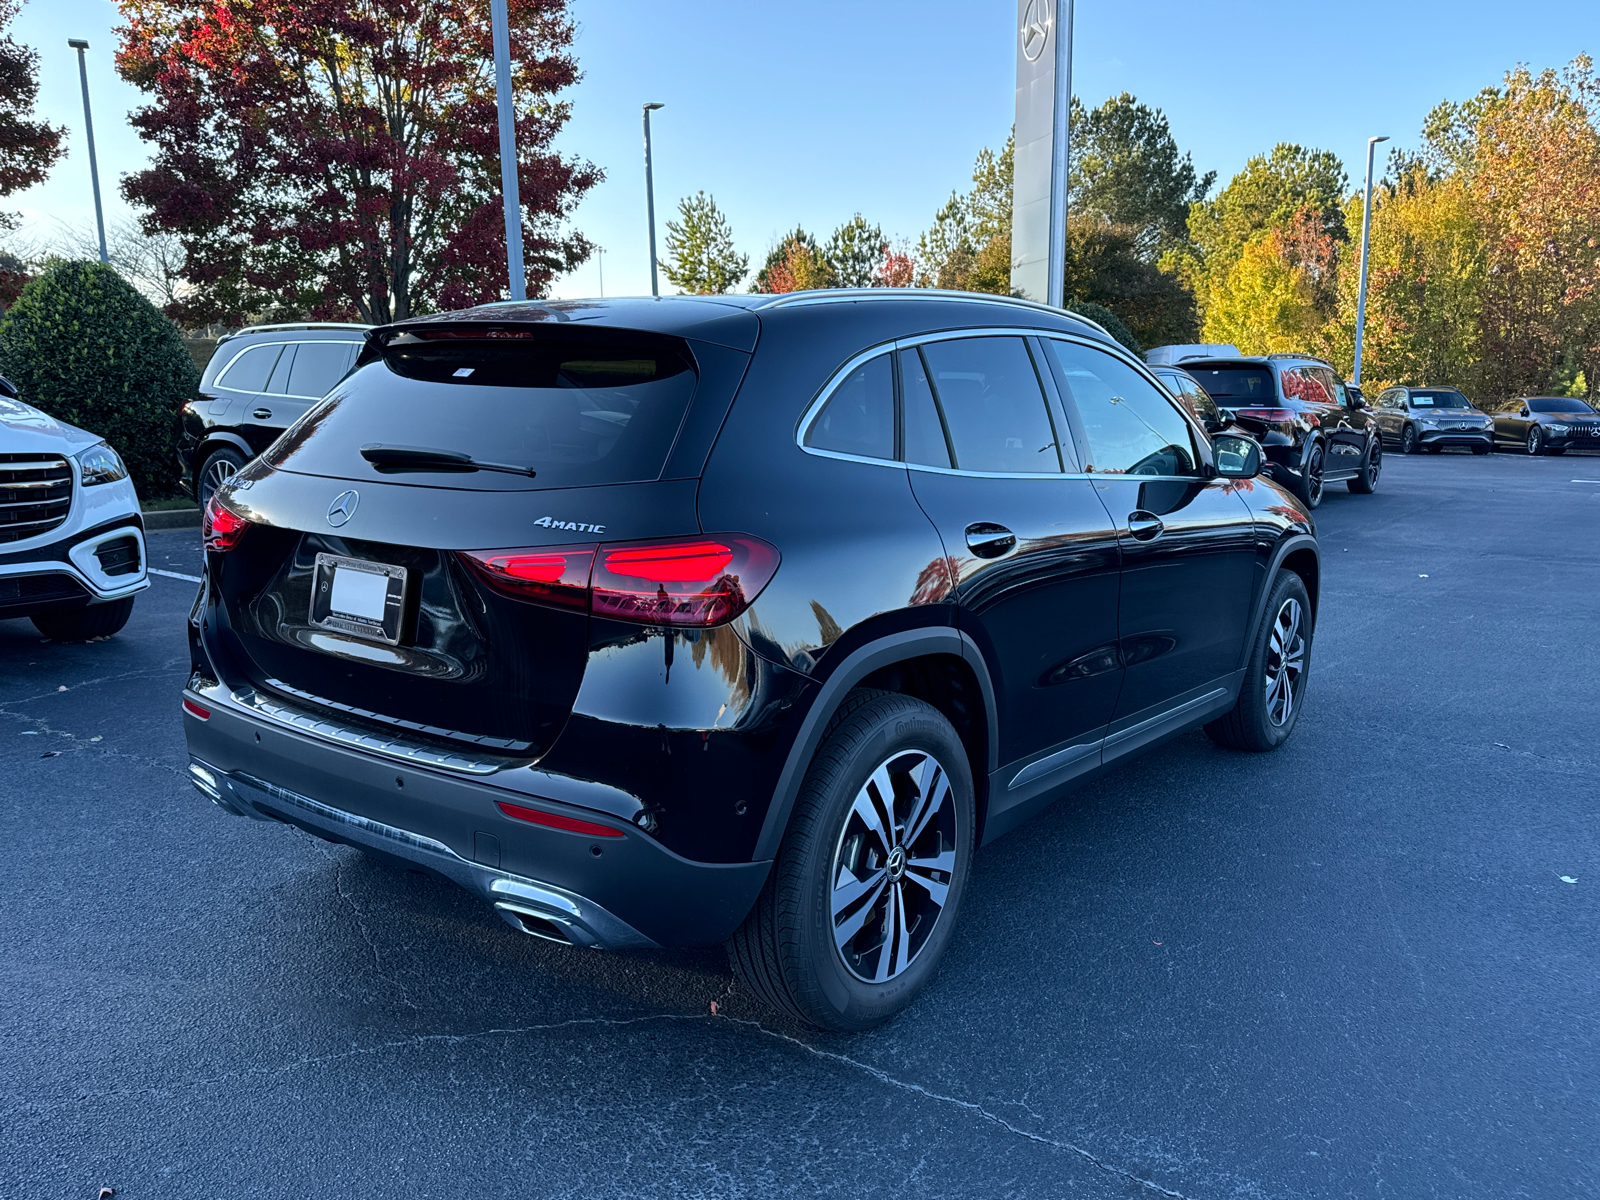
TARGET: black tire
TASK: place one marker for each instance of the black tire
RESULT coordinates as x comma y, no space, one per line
1408,440
218,466
81,624
1309,485
1535,441
1366,482
785,951
1482,449
1254,722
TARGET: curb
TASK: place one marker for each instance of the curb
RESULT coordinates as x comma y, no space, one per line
171,518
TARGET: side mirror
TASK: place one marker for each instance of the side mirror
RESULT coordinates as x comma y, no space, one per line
8,389
1236,456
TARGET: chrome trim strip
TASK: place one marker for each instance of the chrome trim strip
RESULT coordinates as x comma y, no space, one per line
1051,763
1162,718
851,295
396,748
586,923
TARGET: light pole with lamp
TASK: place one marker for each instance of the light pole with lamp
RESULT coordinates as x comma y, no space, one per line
650,197
1366,240
509,192
80,46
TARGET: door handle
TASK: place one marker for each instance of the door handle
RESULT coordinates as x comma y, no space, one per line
1144,526
261,414
987,540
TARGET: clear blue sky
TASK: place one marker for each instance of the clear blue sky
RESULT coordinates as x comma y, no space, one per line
809,112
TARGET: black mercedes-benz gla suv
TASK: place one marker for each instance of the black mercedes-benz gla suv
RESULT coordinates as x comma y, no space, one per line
740,619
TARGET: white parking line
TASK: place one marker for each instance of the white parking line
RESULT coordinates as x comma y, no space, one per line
1586,481
175,575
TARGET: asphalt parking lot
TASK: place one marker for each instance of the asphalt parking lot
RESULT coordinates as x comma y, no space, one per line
1364,966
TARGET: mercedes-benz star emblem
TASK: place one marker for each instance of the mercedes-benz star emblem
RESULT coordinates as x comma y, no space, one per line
1035,29
343,508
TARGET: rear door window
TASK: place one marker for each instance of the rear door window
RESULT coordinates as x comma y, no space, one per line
251,370
858,418
317,367
993,406
278,385
1133,427
924,429
579,407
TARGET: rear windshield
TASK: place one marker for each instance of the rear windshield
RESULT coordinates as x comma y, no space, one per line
1245,383
577,408
1438,400
1558,404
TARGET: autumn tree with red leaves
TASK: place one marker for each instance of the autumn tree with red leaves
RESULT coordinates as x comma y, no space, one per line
340,158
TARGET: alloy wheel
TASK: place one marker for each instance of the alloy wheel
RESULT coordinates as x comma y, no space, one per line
1535,441
892,866
1374,462
1408,441
218,471
1286,661
1314,478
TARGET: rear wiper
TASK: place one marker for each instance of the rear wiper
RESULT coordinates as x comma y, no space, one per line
418,458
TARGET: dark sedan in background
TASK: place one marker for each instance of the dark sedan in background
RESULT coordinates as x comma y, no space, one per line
1431,418
1547,425
257,384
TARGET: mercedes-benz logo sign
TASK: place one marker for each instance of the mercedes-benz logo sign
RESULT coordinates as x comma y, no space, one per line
1035,29
343,508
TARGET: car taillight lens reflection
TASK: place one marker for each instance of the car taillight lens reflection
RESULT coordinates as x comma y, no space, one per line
221,528
694,582
1276,415
556,575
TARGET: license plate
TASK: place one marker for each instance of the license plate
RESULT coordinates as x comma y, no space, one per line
354,595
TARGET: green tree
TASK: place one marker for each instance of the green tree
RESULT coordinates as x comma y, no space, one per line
82,344
1105,267
855,252
796,263
701,256
1126,169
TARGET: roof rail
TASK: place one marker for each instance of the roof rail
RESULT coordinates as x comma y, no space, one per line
844,295
293,325
1307,357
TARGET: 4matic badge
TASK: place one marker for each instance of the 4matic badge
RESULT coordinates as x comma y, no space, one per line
576,526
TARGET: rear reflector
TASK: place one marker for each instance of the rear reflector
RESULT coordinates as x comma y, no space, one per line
194,710
697,582
536,816
221,528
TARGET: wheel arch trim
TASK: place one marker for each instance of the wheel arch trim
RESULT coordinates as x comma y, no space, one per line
881,652
1292,544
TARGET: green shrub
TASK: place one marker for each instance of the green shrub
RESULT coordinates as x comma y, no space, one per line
84,346
1109,320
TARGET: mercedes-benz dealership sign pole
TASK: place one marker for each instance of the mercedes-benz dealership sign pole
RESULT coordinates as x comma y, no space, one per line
1039,185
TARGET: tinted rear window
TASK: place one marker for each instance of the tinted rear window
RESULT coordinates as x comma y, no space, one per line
1246,383
579,409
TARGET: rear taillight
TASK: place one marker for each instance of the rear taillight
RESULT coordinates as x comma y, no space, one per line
1275,415
556,575
221,528
697,582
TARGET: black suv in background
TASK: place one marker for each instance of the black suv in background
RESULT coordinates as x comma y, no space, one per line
1313,430
259,382
735,618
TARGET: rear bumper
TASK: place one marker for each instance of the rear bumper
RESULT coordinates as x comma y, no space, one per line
625,890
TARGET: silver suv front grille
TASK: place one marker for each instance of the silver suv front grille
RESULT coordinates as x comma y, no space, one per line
35,494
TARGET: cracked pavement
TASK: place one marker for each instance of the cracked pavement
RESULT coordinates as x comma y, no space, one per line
1352,968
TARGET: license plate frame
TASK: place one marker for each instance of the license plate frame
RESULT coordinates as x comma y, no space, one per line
365,624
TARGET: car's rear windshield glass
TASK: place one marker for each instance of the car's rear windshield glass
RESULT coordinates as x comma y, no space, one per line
1243,384
1558,404
580,408
1438,400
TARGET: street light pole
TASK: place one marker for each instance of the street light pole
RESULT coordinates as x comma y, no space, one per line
508,148
1366,241
80,46
650,198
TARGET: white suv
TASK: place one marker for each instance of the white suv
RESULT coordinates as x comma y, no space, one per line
72,552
